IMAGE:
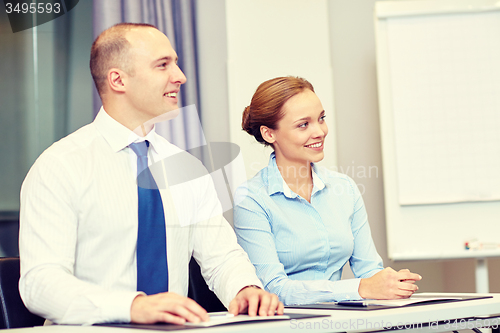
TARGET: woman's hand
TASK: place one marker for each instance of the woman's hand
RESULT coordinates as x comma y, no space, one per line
389,284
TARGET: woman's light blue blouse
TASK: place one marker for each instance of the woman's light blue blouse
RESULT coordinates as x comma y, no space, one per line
299,248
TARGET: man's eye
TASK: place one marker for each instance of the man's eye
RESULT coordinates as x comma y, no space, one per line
163,64
322,117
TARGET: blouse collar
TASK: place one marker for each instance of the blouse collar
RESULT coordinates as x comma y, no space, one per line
276,183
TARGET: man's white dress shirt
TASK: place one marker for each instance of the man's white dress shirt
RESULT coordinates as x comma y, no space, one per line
79,217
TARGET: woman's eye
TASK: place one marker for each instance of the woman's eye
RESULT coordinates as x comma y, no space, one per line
303,125
163,64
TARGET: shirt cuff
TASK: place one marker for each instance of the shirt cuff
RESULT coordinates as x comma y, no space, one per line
116,306
348,291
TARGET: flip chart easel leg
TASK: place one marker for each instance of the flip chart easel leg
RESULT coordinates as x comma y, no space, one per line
482,282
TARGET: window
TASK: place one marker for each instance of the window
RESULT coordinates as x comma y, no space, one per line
45,94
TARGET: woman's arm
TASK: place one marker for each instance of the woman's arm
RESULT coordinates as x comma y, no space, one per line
376,282
365,260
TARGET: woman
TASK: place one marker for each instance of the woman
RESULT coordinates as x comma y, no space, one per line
301,224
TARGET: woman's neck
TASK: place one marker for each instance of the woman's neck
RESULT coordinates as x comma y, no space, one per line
298,176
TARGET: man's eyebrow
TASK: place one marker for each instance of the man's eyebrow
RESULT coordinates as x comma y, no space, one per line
167,58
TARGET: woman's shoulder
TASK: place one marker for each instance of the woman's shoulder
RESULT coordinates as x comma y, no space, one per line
254,187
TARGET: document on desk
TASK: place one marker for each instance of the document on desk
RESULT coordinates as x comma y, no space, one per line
369,304
223,318
216,319
396,302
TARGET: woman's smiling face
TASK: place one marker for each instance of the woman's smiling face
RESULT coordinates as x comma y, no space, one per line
300,134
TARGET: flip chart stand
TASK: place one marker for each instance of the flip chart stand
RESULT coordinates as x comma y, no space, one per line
482,279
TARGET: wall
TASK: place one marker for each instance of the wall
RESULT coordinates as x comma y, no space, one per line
358,132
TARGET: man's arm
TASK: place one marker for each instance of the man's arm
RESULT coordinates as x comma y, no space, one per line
47,246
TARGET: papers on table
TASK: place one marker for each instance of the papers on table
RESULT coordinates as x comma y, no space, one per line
223,318
396,302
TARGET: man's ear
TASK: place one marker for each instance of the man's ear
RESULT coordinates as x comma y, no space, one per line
267,134
116,80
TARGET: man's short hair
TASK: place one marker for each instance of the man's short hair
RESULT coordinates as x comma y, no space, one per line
110,50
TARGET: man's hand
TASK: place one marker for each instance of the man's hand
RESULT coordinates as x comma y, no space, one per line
255,301
389,284
166,308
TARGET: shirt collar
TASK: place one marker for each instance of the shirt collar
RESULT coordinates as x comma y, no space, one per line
277,184
117,135
318,183
274,179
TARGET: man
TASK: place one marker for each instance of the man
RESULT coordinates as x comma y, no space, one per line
81,205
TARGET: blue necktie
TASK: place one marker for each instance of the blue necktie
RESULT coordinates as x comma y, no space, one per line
152,270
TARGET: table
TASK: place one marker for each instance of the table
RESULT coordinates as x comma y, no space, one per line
434,318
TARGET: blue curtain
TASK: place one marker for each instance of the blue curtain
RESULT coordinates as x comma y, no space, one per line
176,19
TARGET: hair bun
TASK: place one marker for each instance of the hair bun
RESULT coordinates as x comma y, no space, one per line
245,122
